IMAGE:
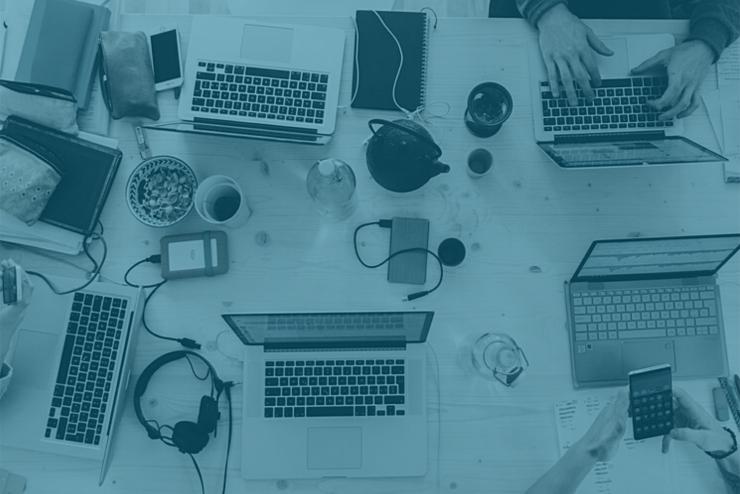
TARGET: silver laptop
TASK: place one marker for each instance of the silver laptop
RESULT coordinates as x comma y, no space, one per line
333,394
261,81
617,128
635,303
71,365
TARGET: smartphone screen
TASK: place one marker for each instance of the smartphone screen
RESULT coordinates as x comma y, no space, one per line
651,401
166,56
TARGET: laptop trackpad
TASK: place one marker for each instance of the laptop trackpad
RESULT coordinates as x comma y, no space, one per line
334,448
641,354
268,43
31,368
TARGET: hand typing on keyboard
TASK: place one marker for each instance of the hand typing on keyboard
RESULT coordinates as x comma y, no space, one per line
569,49
686,65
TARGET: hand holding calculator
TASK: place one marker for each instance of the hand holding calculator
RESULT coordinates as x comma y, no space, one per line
651,401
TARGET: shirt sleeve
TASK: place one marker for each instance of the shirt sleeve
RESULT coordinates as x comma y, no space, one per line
532,10
716,22
6,373
731,479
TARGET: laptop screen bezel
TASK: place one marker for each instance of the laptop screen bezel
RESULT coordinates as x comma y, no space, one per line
711,156
308,344
631,277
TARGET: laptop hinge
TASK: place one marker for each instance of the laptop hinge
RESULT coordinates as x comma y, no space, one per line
229,125
610,136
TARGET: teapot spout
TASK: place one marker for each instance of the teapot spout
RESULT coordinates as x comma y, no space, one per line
440,167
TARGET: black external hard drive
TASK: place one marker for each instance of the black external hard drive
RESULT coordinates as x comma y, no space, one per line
409,267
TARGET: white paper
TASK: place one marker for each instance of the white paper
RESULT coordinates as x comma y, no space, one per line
636,465
305,8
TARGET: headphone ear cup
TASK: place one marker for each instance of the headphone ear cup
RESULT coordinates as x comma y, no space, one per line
208,414
189,437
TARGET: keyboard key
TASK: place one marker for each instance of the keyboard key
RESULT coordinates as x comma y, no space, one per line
344,411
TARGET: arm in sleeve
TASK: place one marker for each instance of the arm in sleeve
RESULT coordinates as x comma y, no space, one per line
716,22
532,10
731,479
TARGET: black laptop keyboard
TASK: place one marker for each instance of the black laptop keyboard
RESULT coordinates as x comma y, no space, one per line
252,92
335,388
618,104
671,312
87,369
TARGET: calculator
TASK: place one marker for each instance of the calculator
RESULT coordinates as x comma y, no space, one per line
651,401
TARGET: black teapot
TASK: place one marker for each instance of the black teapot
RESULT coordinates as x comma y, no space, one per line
402,156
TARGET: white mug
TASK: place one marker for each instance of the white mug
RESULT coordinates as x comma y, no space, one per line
219,200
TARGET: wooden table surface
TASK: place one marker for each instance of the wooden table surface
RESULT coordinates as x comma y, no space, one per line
526,226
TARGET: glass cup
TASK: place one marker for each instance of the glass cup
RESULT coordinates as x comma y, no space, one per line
497,356
489,106
219,200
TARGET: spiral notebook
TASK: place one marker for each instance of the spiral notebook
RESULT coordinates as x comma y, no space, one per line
377,59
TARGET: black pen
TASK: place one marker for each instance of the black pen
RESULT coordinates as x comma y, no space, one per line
737,385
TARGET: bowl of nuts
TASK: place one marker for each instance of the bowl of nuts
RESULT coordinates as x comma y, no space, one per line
160,191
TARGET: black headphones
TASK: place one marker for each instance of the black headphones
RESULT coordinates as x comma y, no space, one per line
188,437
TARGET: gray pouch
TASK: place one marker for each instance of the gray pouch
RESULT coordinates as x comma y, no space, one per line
126,76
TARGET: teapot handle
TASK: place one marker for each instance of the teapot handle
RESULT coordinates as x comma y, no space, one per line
380,121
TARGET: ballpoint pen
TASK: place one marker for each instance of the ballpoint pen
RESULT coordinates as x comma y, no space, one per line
737,385
3,40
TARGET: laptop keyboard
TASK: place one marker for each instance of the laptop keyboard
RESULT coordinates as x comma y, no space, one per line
618,104
86,371
338,321
645,313
335,388
240,90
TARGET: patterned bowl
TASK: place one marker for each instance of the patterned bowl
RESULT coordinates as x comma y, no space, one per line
160,191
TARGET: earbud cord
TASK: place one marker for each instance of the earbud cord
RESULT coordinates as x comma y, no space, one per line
227,391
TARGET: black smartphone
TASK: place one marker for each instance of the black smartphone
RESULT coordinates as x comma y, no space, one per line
11,285
651,401
166,60
410,267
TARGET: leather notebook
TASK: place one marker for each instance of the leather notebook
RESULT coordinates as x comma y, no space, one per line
87,171
61,43
377,59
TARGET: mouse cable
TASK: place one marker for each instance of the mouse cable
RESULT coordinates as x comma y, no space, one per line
388,224
97,265
155,259
200,475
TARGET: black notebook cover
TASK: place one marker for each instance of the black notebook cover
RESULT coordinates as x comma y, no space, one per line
377,60
87,171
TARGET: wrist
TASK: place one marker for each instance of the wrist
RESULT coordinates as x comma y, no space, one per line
553,16
724,445
703,47
587,454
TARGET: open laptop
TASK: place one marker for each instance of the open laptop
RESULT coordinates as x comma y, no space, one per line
635,303
617,128
333,394
71,365
261,81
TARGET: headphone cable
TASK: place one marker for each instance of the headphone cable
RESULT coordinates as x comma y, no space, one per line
200,475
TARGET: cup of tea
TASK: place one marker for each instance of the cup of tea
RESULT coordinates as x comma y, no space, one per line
219,200
480,163
489,105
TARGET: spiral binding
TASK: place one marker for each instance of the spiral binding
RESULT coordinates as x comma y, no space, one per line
424,62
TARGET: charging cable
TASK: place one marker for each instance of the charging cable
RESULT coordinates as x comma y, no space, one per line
97,265
155,259
388,224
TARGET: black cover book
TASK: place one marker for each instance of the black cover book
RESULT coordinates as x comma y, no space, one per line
377,59
87,171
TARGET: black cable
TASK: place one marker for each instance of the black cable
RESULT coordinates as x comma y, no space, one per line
227,390
155,259
97,265
388,224
200,476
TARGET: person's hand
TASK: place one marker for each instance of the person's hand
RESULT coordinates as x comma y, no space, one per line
603,438
686,66
569,49
695,425
11,315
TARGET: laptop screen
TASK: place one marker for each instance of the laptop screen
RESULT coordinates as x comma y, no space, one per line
657,258
621,151
344,329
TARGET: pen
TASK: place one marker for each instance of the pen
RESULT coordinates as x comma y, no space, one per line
737,385
4,37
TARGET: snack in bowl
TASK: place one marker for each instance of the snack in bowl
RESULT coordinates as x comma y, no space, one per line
160,191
